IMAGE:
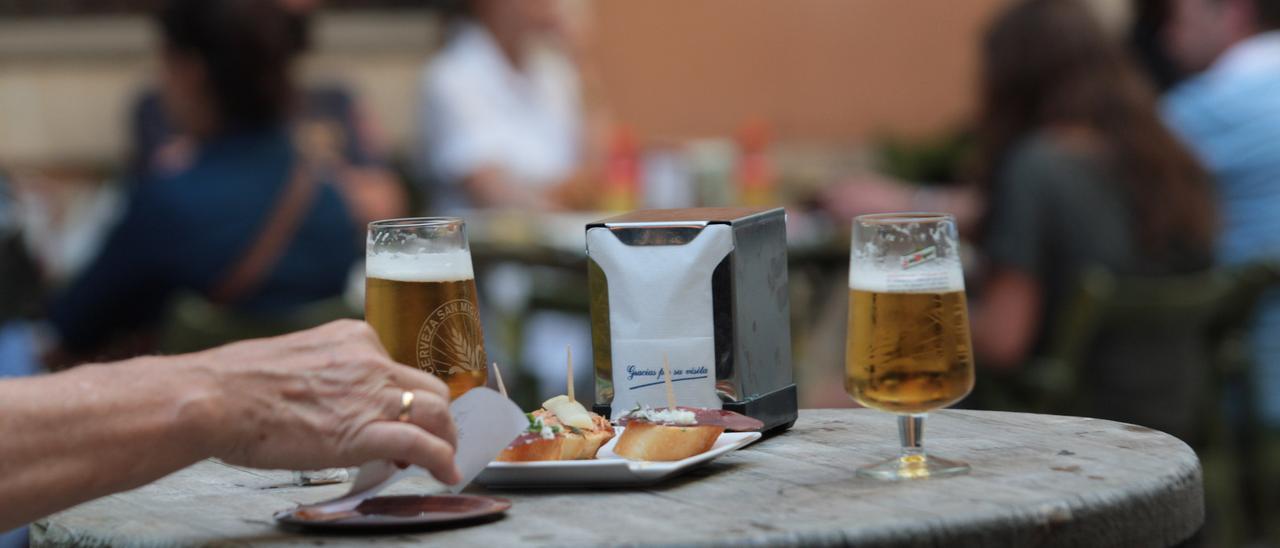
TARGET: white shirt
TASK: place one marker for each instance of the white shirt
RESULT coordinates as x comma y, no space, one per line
479,111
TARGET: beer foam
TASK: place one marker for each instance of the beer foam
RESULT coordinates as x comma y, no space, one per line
450,266
941,276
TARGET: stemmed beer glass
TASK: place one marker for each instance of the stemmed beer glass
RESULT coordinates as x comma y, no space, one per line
908,350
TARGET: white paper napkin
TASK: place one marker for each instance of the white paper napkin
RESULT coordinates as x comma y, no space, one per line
660,304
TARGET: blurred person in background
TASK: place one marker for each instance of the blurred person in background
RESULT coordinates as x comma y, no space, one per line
1080,172
1075,170
328,125
1229,114
503,123
251,223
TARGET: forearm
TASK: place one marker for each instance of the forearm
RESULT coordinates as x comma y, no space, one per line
373,193
489,187
1006,320
95,430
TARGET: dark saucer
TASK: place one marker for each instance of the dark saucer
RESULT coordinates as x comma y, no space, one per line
399,513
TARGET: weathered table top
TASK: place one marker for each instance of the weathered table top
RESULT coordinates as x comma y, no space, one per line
1036,480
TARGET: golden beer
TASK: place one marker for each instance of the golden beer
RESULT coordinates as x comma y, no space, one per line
432,325
908,352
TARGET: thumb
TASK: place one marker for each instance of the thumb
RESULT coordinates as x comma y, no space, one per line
405,442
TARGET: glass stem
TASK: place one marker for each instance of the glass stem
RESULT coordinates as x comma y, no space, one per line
911,433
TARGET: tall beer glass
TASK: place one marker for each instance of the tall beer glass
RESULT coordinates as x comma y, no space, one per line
420,297
908,350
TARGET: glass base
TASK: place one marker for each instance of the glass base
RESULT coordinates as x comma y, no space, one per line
913,466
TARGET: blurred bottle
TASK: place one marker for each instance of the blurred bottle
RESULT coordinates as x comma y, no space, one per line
755,175
665,179
711,162
621,177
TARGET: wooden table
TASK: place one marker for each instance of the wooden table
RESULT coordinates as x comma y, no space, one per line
1037,480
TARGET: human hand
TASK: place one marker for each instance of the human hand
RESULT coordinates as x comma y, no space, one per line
325,397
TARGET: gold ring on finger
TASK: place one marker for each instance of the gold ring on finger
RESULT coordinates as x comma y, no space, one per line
406,406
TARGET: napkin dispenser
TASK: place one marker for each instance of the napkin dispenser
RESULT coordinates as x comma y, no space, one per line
704,290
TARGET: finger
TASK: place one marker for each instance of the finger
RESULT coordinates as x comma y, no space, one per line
428,411
400,441
431,413
412,378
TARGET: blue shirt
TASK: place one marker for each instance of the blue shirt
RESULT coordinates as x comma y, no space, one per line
188,230
1230,117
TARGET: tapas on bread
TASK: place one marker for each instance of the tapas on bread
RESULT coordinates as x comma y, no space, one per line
562,430
565,430
676,433
608,469
541,441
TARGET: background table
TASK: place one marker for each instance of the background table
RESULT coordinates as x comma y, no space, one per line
1036,480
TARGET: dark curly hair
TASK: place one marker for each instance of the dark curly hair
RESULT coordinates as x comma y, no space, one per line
246,46
1049,63
1267,13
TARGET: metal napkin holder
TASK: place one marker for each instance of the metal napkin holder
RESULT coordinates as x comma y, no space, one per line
750,302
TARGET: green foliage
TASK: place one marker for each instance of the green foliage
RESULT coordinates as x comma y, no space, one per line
929,160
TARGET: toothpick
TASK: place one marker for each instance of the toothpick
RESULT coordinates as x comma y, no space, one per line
568,350
497,375
671,393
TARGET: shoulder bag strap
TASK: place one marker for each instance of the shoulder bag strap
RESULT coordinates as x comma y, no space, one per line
282,223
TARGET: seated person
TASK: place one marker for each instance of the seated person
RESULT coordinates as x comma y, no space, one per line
1229,114
1081,173
1075,171
503,127
502,122
327,123
250,223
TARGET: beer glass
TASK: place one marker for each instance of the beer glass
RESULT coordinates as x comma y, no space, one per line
908,349
420,298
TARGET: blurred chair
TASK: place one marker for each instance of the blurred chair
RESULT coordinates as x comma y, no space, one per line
1212,305
1215,306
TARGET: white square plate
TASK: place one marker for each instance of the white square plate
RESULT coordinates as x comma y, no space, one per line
606,469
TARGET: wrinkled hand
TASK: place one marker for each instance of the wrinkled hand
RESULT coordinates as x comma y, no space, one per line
327,397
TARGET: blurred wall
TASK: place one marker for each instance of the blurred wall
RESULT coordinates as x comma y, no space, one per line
66,85
816,69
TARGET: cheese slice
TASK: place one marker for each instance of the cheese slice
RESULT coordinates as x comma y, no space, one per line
570,412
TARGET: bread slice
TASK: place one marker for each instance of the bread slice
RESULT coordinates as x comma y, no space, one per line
595,438
572,446
532,447
642,440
